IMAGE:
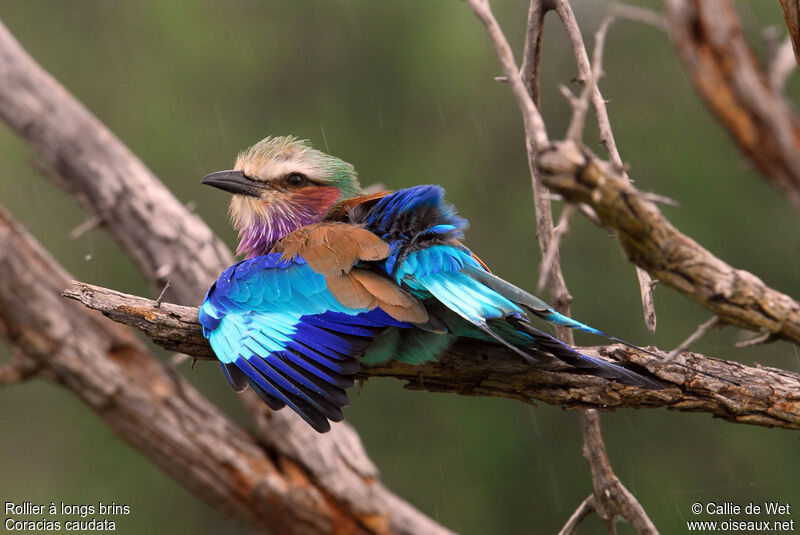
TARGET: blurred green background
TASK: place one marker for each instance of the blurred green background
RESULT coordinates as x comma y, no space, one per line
404,90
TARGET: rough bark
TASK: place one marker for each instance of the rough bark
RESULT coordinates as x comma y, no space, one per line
650,241
165,418
696,383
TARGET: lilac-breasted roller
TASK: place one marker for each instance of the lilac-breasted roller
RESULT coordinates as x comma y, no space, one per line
333,279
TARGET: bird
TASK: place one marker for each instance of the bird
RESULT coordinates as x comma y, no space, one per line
333,279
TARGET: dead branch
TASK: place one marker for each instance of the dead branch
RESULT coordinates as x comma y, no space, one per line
694,337
584,509
651,242
161,414
548,238
791,13
694,382
611,498
526,92
164,239
708,37
168,241
585,74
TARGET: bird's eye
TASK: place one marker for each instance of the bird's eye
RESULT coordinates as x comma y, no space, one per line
296,180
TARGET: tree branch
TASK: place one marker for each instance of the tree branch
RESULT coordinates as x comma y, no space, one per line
548,239
587,75
584,509
168,241
708,37
164,239
611,498
651,242
160,414
695,383
791,13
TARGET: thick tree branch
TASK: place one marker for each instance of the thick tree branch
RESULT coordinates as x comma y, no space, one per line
161,415
695,383
164,239
791,13
708,37
651,242
167,241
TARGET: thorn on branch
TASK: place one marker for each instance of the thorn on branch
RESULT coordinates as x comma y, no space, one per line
85,227
764,338
160,297
657,198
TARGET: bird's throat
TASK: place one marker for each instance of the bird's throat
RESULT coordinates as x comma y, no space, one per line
262,223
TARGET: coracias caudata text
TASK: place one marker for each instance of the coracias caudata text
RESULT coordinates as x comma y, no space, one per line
334,279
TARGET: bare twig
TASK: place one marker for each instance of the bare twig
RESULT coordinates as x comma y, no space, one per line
160,297
639,14
548,241
567,16
548,262
648,299
694,337
577,123
84,227
584,509
764,338
611,498
759,396
534,124
532,56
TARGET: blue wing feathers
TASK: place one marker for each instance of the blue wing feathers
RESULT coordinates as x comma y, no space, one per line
273,323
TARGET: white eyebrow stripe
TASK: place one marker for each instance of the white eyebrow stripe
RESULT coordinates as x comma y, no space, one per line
276,169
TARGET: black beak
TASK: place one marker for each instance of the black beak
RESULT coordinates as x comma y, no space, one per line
234,182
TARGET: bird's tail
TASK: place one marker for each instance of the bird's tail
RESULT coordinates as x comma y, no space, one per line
539,307
543,342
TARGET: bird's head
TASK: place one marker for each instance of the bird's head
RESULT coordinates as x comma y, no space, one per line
279,185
